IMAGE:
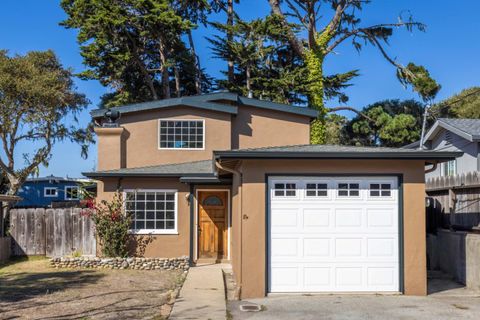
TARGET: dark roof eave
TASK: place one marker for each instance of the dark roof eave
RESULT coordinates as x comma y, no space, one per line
143,174
425,155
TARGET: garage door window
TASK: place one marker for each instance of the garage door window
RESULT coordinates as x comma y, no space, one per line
348,189
380,190
285,190
317,190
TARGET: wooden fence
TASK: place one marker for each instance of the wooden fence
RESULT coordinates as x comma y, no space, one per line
5,246
51,232
454,201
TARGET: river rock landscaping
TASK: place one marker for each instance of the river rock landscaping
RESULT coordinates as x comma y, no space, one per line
181,263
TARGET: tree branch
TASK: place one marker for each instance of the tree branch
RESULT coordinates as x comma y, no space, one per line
292,38
335,109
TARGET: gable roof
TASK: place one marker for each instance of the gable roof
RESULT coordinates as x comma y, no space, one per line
316,151
187,169
468,129
209,101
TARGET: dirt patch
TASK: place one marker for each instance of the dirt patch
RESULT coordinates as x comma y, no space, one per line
33,290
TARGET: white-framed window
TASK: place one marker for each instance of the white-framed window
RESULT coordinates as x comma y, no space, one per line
450,168
50,192
181,134
316,189
285,189
346,189
380,190
72,193
152,211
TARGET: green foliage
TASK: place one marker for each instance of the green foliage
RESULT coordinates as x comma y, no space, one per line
420,80
112,226
334,129
133,47
465,104
395,124
38,106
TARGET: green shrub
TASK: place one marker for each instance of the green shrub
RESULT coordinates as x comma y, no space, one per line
112,225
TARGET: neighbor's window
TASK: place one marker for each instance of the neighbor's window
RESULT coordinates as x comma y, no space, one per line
152,211
50,192
182,134
348,189
285,190
316,190
450,168
380,190
71,193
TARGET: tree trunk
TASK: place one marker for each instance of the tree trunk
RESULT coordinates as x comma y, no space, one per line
164,70
292,38
198,70
248,81
312,27
177,82
230,38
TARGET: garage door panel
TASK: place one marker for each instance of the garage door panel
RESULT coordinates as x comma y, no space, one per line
333,243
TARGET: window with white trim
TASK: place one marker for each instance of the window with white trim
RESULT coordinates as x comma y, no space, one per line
348,189
181,134
450,168
50,192
152,210
317,190
72,193
380,190
285,190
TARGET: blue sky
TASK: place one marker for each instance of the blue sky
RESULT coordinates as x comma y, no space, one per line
449,49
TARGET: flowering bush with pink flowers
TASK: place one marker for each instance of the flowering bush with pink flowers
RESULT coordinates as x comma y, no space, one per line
112,225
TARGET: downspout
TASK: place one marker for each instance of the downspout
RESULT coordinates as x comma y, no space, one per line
240,193
433,168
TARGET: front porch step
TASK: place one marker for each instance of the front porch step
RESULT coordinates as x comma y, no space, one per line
203,261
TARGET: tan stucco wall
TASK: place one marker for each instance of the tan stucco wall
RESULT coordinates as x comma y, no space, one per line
141,138
252,127
109,143
163,246
253,243
255,127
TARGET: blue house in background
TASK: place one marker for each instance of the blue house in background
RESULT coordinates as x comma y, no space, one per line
42,192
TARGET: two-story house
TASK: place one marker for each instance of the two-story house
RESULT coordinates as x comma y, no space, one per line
221,177
454,135
43,192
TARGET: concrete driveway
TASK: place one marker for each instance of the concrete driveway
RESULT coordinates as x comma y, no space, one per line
360,307
446,300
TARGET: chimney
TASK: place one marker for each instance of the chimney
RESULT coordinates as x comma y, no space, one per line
111,149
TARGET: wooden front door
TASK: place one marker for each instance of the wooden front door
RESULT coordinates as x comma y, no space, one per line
212,224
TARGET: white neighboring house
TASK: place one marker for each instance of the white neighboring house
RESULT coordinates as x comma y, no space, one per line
454,135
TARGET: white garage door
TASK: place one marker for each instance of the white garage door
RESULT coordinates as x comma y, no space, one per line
333,234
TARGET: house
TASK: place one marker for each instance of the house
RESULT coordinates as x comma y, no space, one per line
221,177
454,135
50,190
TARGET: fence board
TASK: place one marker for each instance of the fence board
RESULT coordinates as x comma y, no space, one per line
456,200
51,232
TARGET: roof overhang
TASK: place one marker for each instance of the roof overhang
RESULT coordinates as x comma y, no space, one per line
101,174
439,125
408,155
212,101
9,198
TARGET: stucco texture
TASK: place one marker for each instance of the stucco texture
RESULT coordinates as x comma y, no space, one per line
249,229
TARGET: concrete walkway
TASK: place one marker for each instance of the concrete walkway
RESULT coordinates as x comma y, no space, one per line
202,295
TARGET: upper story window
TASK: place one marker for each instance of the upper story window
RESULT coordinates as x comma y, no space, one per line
450,168
50,192
182,134
72,193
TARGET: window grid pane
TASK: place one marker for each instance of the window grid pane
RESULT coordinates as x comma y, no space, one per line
181,134
348,189
151,210
317,190
380,190
285,189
